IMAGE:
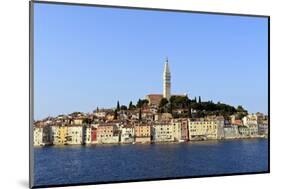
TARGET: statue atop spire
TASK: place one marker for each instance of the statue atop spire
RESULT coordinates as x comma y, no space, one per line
166,80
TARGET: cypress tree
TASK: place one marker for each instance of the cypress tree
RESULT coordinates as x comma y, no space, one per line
131,105
118,106
115,114
140,114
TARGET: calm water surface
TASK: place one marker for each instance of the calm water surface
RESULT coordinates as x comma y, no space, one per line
84,164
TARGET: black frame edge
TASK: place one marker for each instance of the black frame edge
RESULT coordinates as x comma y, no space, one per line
146,8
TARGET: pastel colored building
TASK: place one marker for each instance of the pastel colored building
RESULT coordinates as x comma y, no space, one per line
41,135
220,126
263,129
59,134
127,134
142,133
253,129
107,133
162,132
176,130
250,119
244,131
91,134
204,129
94,138
75,134
87,137
231,132
184,129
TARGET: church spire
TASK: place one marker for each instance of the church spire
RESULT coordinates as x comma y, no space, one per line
166,80
166,67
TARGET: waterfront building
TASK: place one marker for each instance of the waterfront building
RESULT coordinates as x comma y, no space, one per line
59,134
142,133
251,121
253,129
262,124
37,136
62,135
176,123
41,135
263,129
75,134
260,117
231,132
163,132
220,124
244,131
204,128
94,139
127,134
107,133
184,129
88,137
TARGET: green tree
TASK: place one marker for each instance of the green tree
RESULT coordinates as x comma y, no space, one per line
241,112
199,101
163,102
115,114
170,108
189,111
139,103
130,105
142,103
163,105
140,114
118,106
87,121
240,108
123,107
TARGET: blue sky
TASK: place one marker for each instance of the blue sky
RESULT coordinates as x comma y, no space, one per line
87,57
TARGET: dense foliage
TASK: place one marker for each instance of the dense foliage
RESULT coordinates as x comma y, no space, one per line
192,108
182,106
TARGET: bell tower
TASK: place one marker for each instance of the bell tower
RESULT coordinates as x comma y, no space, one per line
166,81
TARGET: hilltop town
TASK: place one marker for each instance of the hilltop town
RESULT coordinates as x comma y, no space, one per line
156,118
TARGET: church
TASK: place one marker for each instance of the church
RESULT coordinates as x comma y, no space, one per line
155,99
